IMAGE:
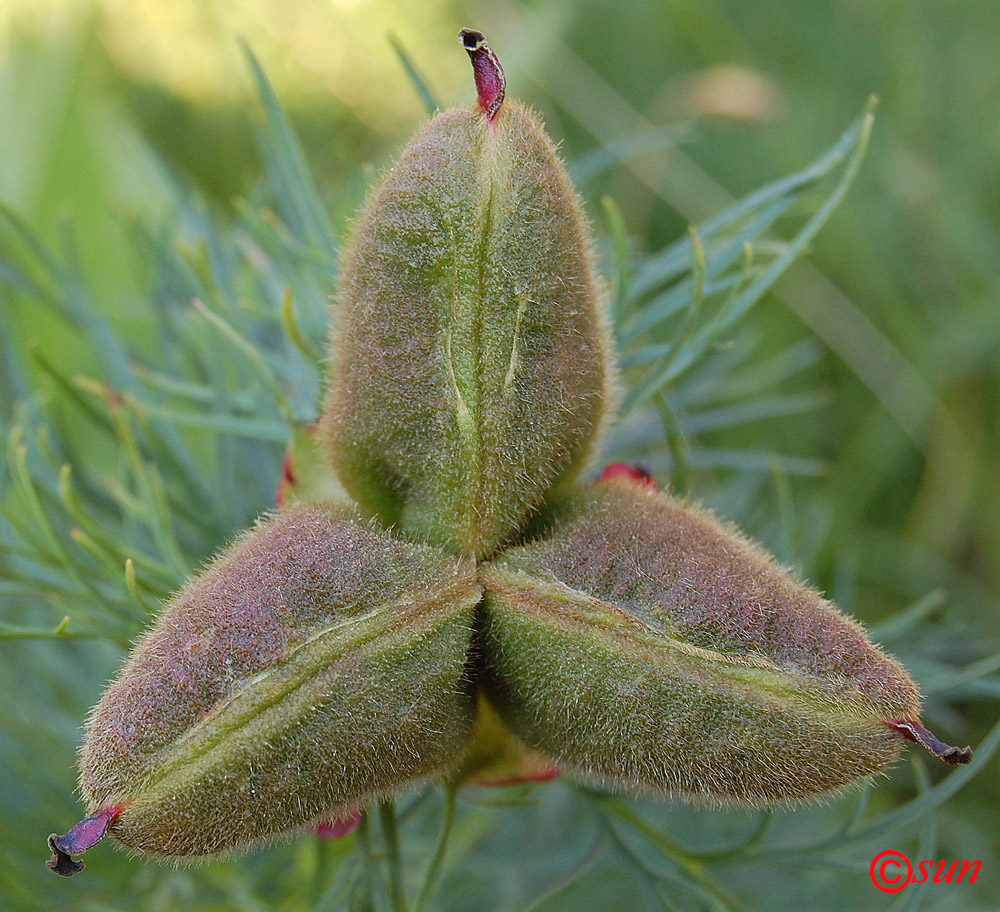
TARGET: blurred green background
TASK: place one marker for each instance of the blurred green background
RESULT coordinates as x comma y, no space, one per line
126,127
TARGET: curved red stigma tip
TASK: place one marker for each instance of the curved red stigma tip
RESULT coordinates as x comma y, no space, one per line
85,835
491,84
914,731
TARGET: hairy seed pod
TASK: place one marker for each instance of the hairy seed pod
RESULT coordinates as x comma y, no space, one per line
471,356
315,667
648,647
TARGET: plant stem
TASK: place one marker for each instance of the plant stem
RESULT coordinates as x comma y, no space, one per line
373,879
434,868
387,814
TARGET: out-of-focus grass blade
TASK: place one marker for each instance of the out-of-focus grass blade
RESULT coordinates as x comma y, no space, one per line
689,864
13,382
910,616
26,480
413,74
791,185
275,240
754,461
620,148
79,307
233,425
280,262
962,676
757,409
764,374
201,393
661,376
293,330
253,356
23,233
677,443
12,632
288,175
72,298
623,266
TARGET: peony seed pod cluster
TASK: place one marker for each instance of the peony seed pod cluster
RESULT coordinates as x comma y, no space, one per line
443,596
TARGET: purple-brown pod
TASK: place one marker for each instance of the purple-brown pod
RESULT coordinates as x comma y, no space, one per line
646,646
317,666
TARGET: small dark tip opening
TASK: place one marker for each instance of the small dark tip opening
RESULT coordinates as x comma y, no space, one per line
471,39
60,862
85,835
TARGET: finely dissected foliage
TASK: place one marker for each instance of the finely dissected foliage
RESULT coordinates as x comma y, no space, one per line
703,668
315,667
613,639
471,355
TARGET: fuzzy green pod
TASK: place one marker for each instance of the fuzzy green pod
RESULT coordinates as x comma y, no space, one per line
650,648
315,667
471,366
